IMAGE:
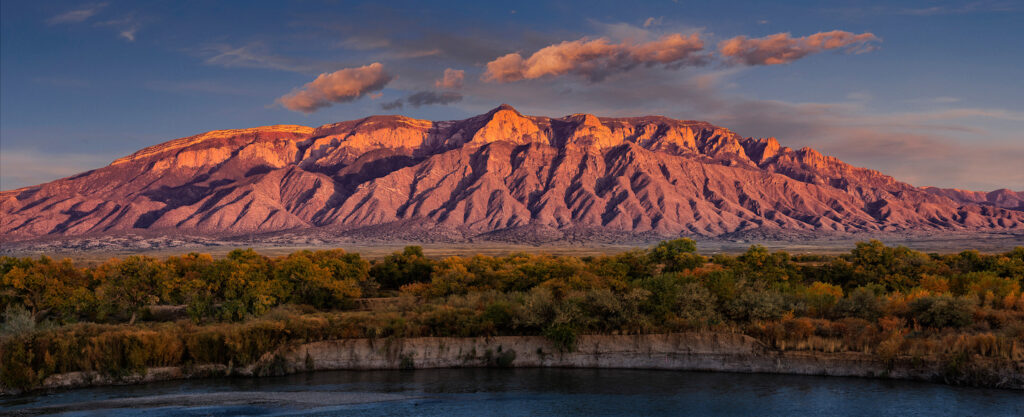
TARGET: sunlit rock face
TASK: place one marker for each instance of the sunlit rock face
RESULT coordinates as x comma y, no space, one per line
498,174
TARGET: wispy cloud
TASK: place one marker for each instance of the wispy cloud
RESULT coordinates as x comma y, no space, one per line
389,49
201,86
932,8
76,15
340,86
126,26
61,82
935,100
252,55
129,33
652,21
963,8
365,43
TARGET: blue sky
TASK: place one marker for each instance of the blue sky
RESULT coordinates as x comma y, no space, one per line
929,92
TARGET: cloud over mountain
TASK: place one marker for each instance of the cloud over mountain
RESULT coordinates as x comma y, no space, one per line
426,98
596,59
782,48
340,86
452,79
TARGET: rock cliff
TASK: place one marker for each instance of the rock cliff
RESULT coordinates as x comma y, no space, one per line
721,352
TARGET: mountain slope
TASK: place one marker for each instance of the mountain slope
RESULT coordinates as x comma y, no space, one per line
1004,198
499,173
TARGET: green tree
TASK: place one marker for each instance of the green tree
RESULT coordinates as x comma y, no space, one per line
130,284
873,262
326,283
246,286
44,285
757,264
676,255
347,267
401,268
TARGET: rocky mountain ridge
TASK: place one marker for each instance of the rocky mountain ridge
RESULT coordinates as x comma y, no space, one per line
497,175
1004,197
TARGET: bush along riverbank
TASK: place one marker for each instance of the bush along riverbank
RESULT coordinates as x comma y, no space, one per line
877,311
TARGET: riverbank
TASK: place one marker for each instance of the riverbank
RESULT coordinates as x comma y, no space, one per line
695,351
471,392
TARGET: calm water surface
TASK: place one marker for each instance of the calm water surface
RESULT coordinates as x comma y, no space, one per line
526,392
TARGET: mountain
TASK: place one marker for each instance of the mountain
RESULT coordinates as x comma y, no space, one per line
500,175
1004,198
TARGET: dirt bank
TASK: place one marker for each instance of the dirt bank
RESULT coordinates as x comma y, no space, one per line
679,351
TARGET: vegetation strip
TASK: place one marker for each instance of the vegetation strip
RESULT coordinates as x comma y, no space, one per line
964,312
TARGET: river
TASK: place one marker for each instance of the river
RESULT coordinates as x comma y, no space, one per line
561,392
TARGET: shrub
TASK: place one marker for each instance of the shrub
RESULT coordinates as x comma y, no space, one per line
16,360
563,336
821,297
600,310
755,303
861,303
17,321
696,305
500,314
942,311
539,308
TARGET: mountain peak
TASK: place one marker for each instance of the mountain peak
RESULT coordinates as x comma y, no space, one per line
505,123
216,135
761,149
585,119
